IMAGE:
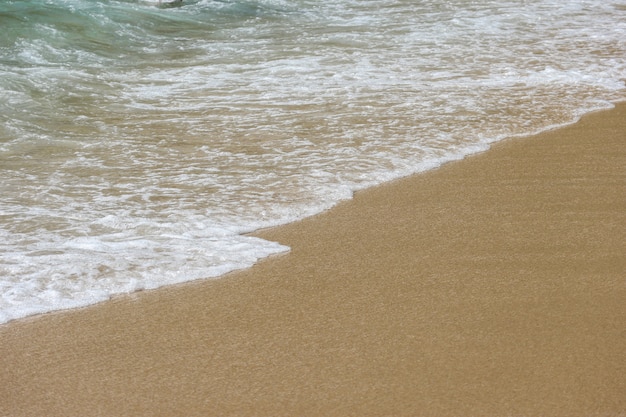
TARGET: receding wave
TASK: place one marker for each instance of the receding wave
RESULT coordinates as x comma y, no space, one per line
138,143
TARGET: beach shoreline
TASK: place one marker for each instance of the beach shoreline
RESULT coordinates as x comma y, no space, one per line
489,286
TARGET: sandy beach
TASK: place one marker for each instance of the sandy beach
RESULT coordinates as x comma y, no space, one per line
492,286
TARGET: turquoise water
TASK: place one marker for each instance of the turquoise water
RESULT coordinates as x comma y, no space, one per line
138,142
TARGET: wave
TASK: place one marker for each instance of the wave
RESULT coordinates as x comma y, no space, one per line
138,144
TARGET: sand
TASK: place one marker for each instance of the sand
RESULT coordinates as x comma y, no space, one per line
493,286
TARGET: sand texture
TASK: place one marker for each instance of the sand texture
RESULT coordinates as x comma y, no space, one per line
493,286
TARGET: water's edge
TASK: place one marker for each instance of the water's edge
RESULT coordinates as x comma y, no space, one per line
284,249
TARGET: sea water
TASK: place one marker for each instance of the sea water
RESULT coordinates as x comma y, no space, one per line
140,142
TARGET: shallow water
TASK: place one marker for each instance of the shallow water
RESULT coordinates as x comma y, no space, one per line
139,142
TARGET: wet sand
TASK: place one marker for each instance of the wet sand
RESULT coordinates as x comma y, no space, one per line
493,286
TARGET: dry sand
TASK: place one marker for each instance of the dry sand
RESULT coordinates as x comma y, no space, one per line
493,286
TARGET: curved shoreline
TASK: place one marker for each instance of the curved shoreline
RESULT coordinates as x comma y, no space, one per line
489,286
95,296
